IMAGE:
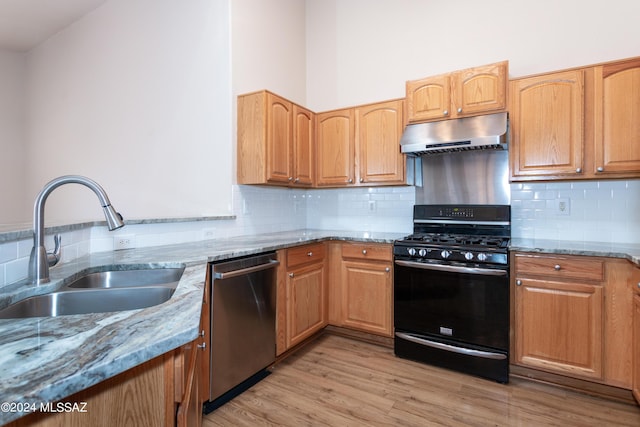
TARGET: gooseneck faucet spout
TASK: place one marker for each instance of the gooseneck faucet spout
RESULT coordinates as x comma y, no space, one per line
40,260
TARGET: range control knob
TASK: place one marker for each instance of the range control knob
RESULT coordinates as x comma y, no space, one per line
422,252
445,254
468,256
411,251
482,257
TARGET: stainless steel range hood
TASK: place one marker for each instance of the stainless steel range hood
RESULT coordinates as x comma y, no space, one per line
470,133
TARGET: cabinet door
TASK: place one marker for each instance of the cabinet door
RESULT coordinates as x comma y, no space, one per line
559,326
547,125
480,89
617,117
366,296
335,148
279,139
636,347
303,138
189,413
378,146
429,98
305,303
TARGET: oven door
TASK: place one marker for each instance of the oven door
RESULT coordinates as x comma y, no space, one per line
453,303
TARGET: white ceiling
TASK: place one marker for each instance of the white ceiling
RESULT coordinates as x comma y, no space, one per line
25,24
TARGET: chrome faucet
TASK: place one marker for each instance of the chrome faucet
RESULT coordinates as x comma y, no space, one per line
40,260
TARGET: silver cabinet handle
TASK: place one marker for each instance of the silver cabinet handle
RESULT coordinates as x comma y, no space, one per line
638,285
290,274
202,333
202,346
445,113
361,179
364,252
579,170
518,282
387,269
557,267
309,253
290,178
296,180
350,180
600,169
460,110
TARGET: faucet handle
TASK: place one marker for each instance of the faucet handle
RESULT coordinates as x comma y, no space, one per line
54,257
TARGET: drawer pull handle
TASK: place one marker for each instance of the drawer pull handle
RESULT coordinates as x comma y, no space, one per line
309,253
557,267
290,274
364,252
518,282
202,333
202,346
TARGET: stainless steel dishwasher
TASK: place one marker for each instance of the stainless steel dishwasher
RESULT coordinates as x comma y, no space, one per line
243,324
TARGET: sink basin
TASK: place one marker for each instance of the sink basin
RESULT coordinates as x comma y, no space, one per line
101,292
129,278
87,301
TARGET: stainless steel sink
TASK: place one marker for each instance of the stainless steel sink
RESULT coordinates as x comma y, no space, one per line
129,278
101,292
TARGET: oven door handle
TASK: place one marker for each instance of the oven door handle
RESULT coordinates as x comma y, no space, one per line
452,268
451,348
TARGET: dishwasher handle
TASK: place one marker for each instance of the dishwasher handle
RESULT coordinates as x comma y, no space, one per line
236,273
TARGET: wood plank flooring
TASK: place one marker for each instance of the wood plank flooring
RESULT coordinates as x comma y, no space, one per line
336,381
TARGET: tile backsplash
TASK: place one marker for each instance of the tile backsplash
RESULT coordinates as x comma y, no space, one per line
597,211
600,211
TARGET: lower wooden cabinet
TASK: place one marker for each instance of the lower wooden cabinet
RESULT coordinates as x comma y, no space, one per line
301,295
636,347
573,316
366,286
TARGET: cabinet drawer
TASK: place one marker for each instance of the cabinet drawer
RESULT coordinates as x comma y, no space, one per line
377,252
305,254
567,267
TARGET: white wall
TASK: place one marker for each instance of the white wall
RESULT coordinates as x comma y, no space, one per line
12,139
135,95
361,51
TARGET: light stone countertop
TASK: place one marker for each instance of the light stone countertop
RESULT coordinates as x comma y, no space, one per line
627,251
47,359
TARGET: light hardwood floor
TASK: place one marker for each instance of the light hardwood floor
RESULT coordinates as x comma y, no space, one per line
336,381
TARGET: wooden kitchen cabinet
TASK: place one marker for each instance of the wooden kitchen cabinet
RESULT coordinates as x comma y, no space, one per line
636,347
335,148
361,145
547,125
378,154
462,93
573,316
577,124
275,141
616,121
366,288
302,295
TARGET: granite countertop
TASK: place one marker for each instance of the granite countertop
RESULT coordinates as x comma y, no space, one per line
627,251
47,359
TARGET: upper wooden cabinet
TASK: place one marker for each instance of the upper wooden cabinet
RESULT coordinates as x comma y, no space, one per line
361,145
335,148
617,117
275,141
577,124
462,93
547,123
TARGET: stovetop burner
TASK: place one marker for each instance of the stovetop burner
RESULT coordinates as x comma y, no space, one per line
458,240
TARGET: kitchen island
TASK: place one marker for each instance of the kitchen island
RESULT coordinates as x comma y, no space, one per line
47,359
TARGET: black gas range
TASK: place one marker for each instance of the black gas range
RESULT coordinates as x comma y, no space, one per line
451,289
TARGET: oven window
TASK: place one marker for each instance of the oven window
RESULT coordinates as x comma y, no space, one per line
472,308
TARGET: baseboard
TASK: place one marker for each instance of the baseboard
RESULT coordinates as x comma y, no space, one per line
582,386
359,335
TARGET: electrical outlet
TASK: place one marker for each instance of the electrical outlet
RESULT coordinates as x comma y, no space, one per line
563,206
372,205
126,241
208,233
